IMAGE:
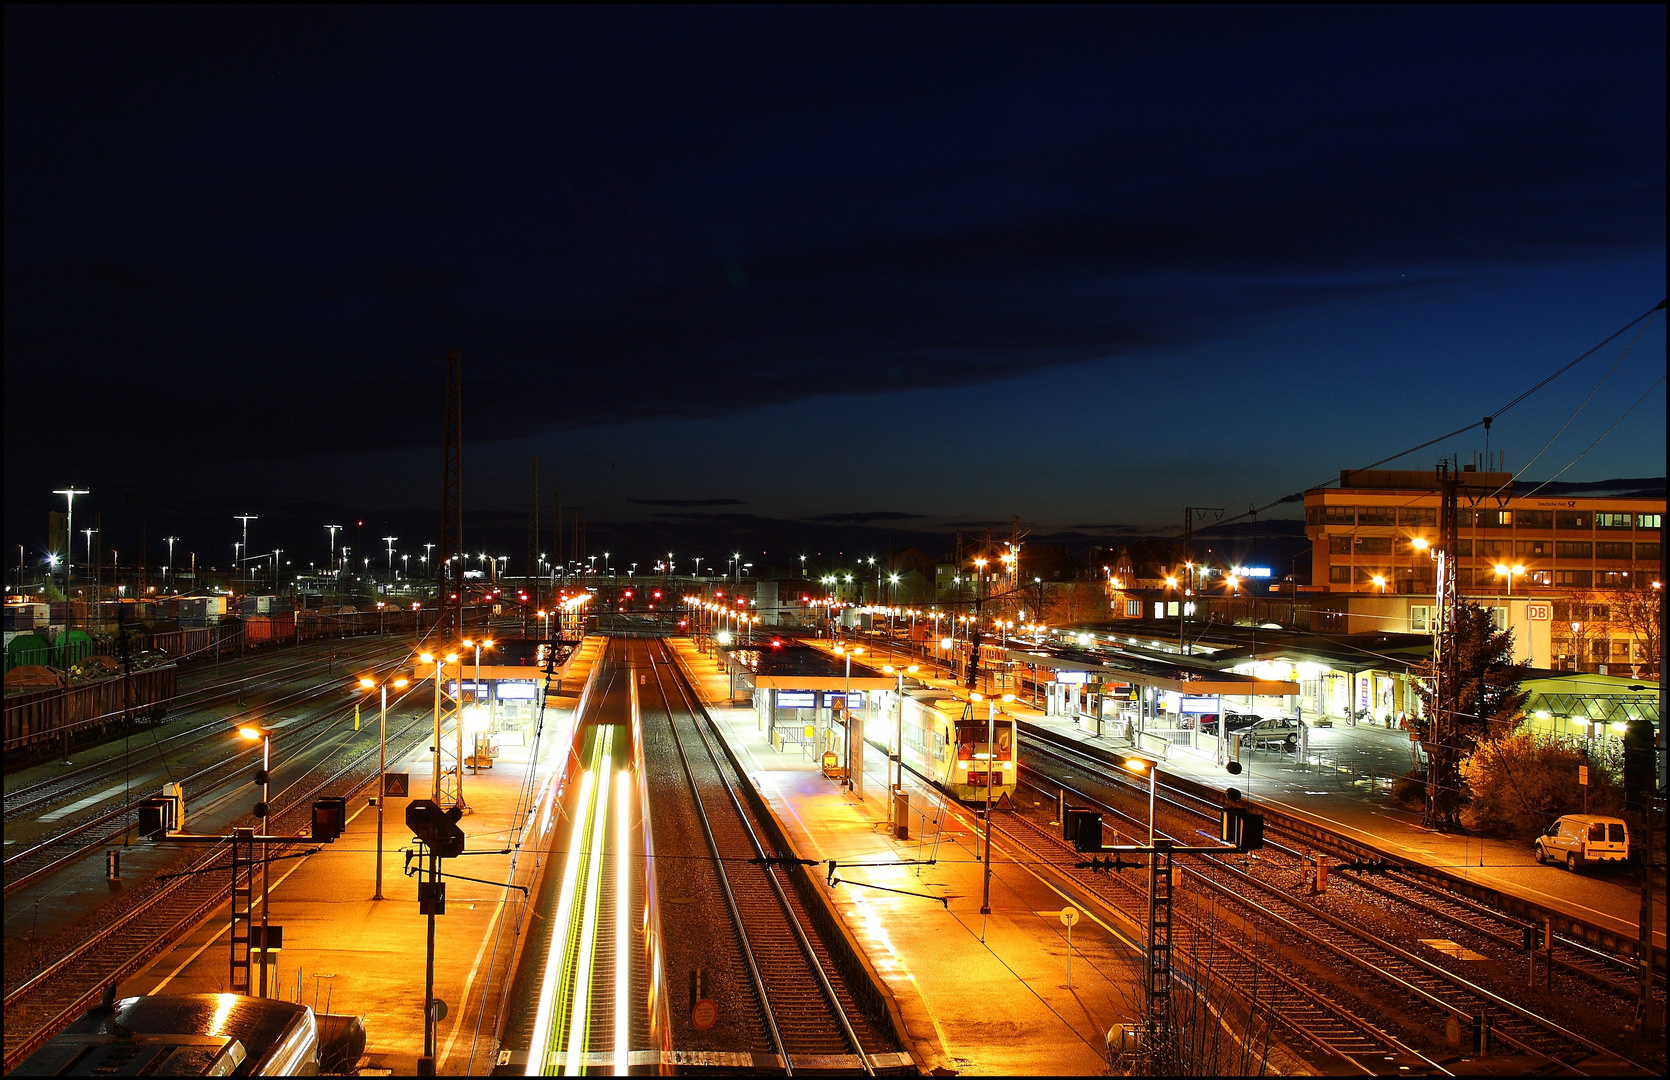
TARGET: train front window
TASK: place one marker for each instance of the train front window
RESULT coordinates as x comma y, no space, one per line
971,742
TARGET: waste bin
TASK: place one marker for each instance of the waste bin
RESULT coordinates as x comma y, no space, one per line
901,814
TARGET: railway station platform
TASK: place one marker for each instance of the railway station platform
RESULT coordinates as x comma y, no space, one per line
978,994
345,952
1343,783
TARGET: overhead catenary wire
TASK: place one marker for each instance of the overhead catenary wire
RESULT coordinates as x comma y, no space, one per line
1481,422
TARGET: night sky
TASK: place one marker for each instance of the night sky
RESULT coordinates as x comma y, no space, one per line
830,266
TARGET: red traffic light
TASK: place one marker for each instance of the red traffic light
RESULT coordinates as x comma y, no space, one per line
776,643
658,594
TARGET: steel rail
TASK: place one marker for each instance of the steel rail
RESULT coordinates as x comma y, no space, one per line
227,764
125,968
1436,895
1373,941
755,975
36,795
839,1012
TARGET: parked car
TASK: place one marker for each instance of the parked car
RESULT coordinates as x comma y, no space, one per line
1271,733
1211,722
1579,839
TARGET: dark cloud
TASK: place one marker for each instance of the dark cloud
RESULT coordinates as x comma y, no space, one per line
865,517
687,502
256,214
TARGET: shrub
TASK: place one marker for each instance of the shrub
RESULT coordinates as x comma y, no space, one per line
1522,782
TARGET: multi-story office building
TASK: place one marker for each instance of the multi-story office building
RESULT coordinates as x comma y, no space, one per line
1560,570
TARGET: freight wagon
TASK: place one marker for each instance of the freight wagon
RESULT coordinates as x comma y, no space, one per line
40,718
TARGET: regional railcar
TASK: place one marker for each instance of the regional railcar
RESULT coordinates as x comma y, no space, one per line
946,741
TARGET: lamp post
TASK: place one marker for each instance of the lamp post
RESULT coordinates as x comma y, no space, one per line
991,764
475,699
333,530
246,519
896,763
69,494
169,574
382,766
1509,572
440,672
846,692
263,777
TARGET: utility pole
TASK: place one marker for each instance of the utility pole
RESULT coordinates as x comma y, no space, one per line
533,543
451,610
1190,514
1447,602
246,519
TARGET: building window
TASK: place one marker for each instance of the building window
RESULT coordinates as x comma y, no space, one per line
1647,521
1417,619
1171,607
1605,549
1415,515
1365,575
1646,553
1313,515
1464,548
1540,578
1339,575
1159,609
1374,545
1499,618
1574,579
1574,549
1620,650
1376,515
1339,515
1612,579
1495,519
1535,548
1535,519
1609,519
1133,609
1571,519
1339,544
1495,548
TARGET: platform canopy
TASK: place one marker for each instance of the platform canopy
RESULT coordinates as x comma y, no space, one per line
1185,678
797,667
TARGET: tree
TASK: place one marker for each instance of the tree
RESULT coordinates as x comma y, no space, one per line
1478,698
1521,782
1638,610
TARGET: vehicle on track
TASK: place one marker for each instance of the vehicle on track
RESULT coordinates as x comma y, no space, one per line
1579,839
951,751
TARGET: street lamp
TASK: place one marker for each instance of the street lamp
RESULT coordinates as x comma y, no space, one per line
846,694
69,494
333,530
1152,768
991,767
475,699
896,764
440,672
1510,572
246,519
382,766
263,776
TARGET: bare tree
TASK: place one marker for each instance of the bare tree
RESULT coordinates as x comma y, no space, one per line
1638,611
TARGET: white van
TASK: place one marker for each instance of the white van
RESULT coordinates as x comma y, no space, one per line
1577,839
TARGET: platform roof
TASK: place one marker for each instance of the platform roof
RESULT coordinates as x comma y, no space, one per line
1185,675
799,667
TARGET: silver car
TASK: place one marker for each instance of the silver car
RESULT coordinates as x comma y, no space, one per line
1273,733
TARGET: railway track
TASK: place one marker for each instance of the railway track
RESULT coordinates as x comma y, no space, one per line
63,787
1332,1031
1427,990
43,858
1494,932
36,1009
808,1012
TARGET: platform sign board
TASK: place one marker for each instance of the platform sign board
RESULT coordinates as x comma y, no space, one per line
1199,705
396,785
704,1015
796,699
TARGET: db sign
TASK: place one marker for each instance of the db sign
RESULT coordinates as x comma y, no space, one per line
1539,612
